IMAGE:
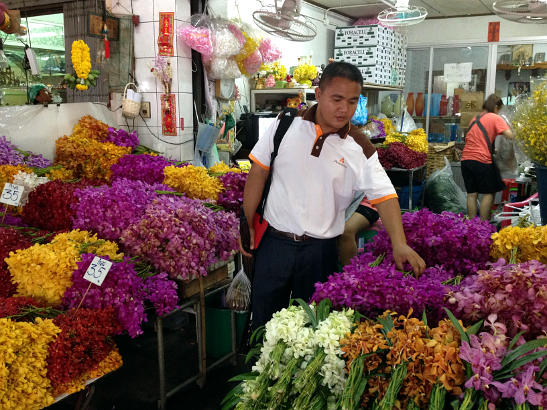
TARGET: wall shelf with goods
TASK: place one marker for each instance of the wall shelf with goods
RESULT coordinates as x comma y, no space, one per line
270,96
510,67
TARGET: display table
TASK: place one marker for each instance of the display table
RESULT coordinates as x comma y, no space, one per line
194,305
401,177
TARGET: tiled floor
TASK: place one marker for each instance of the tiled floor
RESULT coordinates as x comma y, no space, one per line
135,385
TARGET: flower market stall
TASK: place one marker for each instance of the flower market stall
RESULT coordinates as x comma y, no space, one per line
467,334
165,228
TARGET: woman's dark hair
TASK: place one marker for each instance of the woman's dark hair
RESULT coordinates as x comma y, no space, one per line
492,102
340,69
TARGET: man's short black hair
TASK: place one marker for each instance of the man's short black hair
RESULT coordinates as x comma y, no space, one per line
340,69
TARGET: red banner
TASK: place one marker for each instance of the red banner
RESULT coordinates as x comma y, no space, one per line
165,35
169,114
493,31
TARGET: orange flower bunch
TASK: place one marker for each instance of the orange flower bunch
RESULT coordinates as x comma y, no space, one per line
431,356
90,127
87,157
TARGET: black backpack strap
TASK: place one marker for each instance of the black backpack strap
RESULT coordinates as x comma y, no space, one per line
285,121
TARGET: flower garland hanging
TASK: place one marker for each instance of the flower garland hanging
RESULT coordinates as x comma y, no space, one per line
83,76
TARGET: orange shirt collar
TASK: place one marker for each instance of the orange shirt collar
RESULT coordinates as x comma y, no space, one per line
310,115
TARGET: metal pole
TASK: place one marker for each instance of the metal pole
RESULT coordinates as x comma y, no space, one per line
161,362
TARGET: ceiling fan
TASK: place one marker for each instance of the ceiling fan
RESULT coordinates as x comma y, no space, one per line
285,21
402,14
522,11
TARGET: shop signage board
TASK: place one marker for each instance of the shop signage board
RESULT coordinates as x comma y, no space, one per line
458,72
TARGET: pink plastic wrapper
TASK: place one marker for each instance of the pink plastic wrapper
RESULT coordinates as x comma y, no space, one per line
270,53
253,62
199,39
237,33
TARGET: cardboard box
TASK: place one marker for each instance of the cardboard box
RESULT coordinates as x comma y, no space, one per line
466,118
471,102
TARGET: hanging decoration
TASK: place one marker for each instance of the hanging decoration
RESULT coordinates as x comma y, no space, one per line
83,76
165,36
168,114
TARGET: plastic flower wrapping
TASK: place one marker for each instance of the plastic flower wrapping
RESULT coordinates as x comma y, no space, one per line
198,35
182,237
530,124
109,210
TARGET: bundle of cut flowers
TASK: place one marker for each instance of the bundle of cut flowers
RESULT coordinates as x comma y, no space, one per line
8,172
416,140
107,211
398,155
301,365
29,181
87,157
401,362
51,205
90,128
181,236
10,241
459,245
516,293
45,271
122,138
231,197
503,372
371,287
11,155
193,181
123,290
221,168
145,167
524,244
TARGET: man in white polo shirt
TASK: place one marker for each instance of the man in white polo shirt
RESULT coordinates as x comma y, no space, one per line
322,161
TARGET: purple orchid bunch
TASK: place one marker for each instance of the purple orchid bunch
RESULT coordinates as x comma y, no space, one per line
122,289
122,138
515,293
372,289
162,293
11,155
491,358
380,129
109,210
145,167
232,196
181,236
461,246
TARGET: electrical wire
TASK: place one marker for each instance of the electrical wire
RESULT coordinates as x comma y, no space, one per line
158,138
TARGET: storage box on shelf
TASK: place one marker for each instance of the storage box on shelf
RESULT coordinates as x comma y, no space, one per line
373,35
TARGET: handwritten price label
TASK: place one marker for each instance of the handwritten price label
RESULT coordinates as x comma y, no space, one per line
11,195
97,271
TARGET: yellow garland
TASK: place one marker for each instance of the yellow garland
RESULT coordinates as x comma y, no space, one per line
249,48
193,181
81,61
44,272
531,243
23,363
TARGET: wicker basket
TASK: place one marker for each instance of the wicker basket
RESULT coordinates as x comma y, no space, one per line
436,154
130,106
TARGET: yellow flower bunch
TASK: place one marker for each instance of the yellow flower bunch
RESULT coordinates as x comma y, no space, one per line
23,363
415,140
388,126
530,125
110,363
193,181
88,158
250,46
305,73
222,168
530,242
278,70
61,174
44,272
431,356
7,172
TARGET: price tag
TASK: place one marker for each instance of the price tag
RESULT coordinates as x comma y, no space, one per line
11,195
97,271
